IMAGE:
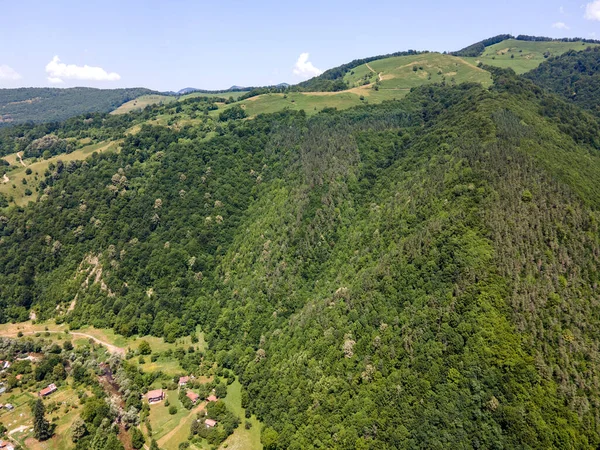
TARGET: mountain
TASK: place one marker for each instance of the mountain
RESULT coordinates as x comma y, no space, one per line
55,104
411,273
420,273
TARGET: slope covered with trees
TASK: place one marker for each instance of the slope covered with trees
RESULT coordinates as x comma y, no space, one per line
54,104
421,273
574,76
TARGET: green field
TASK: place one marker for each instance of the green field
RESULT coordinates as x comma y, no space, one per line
146,100
19,420
15,188
399,72
523,56
141,102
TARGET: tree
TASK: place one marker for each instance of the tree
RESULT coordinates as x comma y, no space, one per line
144,348
154,445
78,430
268,438
41,427
137,438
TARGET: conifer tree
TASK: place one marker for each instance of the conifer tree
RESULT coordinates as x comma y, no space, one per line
41,427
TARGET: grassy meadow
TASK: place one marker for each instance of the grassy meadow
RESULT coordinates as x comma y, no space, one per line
399,72
523,56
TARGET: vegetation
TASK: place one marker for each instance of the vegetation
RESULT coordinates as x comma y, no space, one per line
574,75
54,104
418,273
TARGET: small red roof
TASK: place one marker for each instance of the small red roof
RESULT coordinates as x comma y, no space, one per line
192,396
18,377
184,380
48,390
155,393
210,422
212,398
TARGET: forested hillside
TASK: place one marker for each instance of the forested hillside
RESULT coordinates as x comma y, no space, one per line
54,104
573,75
417,274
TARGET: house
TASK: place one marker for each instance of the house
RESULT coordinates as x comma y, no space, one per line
48,390
5,445
156,396
19,377
212,398
9,406
192,396
210,423
183,381
3,366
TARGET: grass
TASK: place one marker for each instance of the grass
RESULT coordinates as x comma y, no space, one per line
161,421
527,54
103,334
38,167
241,439
398,72
63,417
143,101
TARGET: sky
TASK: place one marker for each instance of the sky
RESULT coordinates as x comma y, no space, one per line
169,45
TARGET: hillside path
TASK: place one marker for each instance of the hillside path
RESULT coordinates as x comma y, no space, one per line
21,159
110,347
182,422
371,69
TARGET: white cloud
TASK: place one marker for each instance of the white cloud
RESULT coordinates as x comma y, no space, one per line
593,34
58,71
8,73
561,10
592,10
305,68
560,26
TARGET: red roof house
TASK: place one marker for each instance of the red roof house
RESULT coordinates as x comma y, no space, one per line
156,396
183,381
47,390
5,445
192,396
212,398
210,423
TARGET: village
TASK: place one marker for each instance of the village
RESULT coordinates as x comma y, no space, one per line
150,394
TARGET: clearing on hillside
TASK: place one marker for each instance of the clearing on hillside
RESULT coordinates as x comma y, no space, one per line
523,56
140,103
406,72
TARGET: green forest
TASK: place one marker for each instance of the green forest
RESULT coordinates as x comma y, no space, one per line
421,273
55,104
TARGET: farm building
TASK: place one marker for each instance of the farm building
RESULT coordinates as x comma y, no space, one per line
210,423
212,398
156,396
183,381
48,390
192,396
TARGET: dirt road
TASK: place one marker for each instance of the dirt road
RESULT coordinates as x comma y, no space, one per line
378,74
111,348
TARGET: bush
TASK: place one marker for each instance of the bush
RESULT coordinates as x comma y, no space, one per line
172,410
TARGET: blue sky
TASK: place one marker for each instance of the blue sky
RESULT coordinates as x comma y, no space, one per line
168,45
